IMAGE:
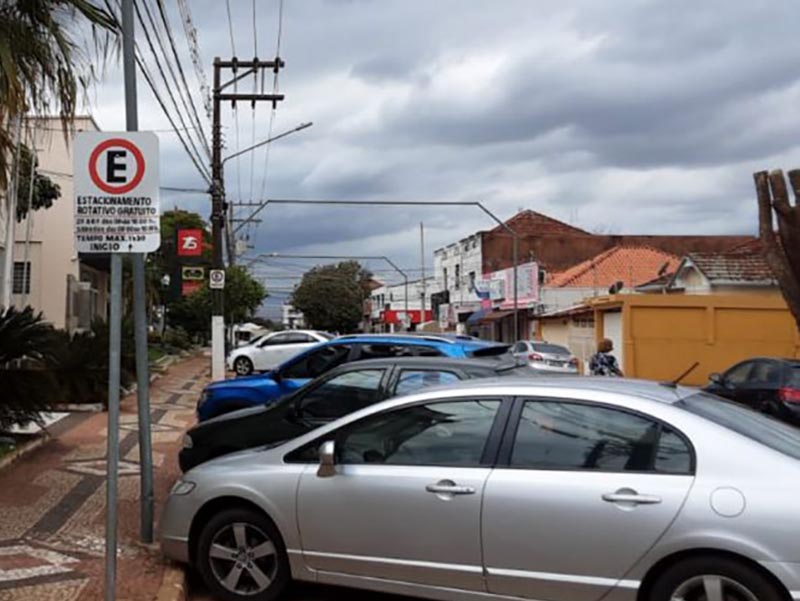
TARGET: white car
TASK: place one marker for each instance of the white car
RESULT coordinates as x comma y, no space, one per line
546,357
269,351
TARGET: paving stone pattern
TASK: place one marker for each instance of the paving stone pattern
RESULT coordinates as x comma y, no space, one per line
52,501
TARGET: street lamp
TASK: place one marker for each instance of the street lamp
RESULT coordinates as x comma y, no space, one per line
404,275
413,203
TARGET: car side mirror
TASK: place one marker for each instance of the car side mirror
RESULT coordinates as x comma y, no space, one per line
277,376
716,378
327,459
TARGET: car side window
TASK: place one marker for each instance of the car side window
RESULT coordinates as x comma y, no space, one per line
520,347
282,338
555,435
446,433
739,374
411,380
765,373
317,362
382,350
341,395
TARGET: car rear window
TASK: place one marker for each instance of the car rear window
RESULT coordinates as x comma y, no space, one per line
755,426
794,377
551,349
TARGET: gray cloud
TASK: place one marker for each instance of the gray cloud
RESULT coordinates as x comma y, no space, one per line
638,116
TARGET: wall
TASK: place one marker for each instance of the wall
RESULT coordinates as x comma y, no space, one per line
663,335
394,295
612,329
466,254
53,255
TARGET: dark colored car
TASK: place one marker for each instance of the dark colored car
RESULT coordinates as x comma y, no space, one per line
341,391
225,396
765,384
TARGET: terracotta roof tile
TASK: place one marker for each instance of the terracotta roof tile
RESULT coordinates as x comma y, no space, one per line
630,265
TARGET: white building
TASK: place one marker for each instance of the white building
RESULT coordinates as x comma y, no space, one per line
70,290
291,318
388,304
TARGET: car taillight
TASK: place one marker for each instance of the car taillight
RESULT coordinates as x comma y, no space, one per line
789,395
535,357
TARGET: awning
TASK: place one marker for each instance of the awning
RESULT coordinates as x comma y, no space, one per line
496,315
477,316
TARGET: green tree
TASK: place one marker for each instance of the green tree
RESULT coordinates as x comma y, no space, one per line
243,297
44,190
331,297
42,66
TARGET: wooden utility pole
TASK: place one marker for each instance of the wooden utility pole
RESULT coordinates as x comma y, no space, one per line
219,209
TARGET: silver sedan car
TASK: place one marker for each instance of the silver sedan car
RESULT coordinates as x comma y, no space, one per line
559,489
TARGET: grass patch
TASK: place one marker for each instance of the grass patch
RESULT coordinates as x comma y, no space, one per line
154,353
5,449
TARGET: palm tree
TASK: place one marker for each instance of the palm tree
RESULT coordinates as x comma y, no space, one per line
42,67
27,344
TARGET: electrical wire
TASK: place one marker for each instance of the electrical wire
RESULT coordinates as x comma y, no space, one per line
171,39
190,32
182,91
194,153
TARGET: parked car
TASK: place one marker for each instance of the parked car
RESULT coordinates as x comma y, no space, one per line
567,489
238,393
342,390
546,357
267,352
765,384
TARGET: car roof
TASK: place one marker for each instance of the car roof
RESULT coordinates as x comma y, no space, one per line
645,389
787,360
430,339
429,363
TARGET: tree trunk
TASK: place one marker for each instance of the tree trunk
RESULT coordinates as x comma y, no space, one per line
782,249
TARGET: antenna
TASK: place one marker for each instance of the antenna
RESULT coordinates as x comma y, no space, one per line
663,269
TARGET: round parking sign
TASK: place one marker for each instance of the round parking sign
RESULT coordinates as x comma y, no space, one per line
116,166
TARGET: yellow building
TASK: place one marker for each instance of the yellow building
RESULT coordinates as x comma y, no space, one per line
714,310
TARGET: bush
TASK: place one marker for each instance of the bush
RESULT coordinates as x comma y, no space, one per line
26,346
178,338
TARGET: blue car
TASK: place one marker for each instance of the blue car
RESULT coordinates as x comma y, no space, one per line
238,393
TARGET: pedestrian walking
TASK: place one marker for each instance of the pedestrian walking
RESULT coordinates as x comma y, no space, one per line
603,363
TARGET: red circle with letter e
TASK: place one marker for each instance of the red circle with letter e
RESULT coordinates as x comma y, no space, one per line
124,187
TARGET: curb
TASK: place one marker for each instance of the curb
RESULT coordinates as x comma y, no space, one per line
173,584
23,449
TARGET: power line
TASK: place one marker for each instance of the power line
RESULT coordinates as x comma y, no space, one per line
154,89
230,27
190,111
171,39
194,52
194,153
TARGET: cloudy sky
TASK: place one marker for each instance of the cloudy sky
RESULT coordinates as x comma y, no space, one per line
622,116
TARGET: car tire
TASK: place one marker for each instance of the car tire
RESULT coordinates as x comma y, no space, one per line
241,556
243,366
688,579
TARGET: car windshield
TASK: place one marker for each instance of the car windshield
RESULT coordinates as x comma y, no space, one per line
755,426
551,349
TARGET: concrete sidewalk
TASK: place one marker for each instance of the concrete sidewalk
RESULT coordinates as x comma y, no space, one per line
52,501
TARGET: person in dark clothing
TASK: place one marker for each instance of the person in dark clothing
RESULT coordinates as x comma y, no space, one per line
603,363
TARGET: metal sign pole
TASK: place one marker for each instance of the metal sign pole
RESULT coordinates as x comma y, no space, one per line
112,453
139,302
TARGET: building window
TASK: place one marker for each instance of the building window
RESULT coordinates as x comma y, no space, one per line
22,278
444,277
458,277
472,280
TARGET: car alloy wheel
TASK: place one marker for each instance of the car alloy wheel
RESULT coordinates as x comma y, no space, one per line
243,559
243,366
712,587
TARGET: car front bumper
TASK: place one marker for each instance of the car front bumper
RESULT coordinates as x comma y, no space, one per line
174,527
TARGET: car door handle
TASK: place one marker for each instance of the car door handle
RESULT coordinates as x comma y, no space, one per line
449,489
632,498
